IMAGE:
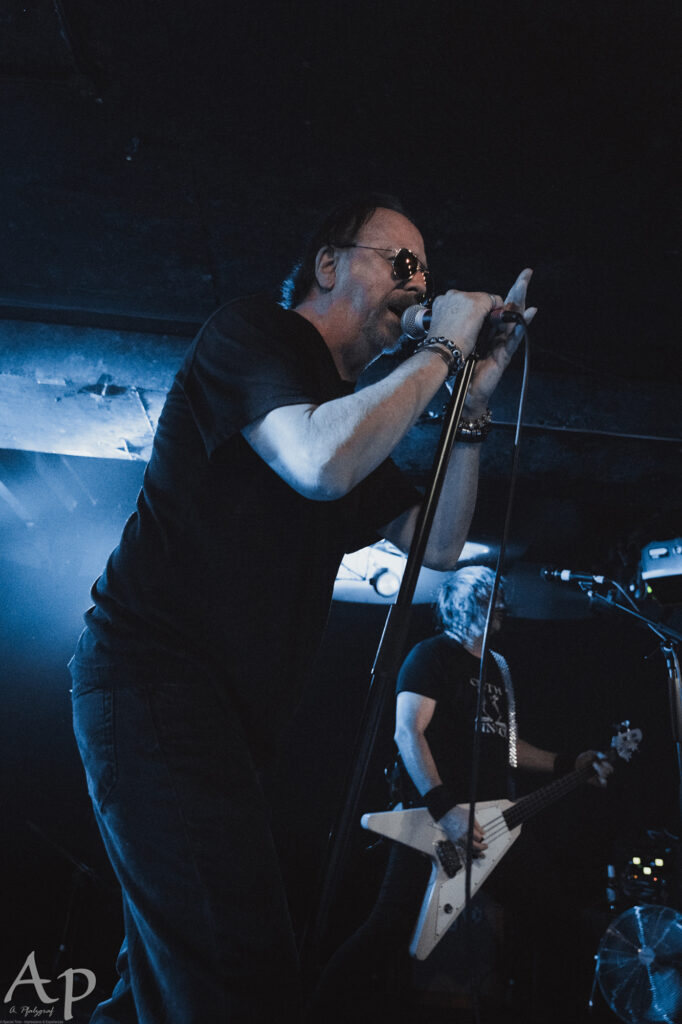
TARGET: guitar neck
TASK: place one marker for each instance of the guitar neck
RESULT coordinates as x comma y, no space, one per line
529,805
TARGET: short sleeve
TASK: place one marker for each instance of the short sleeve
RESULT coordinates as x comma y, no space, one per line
244,363
424,672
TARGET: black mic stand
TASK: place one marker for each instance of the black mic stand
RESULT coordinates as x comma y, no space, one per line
384,673
669,639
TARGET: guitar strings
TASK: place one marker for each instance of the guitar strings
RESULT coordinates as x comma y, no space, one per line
498,826
533,802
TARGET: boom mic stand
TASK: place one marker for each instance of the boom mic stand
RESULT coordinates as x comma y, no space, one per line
669,639
384,671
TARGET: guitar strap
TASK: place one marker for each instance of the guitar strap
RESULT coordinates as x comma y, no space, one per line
511,706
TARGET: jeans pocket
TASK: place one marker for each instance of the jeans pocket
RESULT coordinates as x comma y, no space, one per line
93,725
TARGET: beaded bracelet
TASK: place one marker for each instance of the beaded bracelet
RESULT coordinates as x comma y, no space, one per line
453,356
474,431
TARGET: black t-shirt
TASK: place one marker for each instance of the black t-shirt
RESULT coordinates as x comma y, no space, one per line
222,561
440,668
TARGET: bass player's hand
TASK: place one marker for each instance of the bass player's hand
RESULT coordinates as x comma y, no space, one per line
455,824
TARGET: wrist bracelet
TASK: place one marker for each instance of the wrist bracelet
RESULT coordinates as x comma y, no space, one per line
452,353
438,801
474,431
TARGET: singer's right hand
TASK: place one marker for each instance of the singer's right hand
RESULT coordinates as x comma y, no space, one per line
459,316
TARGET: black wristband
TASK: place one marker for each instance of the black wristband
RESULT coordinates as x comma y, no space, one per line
438,801
563,764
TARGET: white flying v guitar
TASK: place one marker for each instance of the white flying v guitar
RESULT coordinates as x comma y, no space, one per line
501,819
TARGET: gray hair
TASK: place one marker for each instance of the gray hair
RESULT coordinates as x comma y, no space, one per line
463,598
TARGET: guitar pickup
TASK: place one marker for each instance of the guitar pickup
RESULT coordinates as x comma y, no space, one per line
449,856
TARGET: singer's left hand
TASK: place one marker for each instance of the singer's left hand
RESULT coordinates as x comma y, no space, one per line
488,371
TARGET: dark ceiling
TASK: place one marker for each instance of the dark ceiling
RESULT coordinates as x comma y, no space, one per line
161,158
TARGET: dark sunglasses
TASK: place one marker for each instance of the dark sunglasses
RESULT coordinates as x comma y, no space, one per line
404,262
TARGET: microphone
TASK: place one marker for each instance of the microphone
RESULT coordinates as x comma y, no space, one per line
568,576
416,320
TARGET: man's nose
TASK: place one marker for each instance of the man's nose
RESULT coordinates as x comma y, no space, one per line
417,284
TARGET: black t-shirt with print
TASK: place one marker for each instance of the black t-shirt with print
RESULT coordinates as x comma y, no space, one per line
440,668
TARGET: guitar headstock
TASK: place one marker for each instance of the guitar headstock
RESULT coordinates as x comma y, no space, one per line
626,740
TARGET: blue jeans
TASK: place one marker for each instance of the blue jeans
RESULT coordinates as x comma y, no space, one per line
181,811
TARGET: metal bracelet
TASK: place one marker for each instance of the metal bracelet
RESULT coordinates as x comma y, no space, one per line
456,360
474,430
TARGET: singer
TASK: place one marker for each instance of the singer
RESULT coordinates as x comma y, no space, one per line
265,461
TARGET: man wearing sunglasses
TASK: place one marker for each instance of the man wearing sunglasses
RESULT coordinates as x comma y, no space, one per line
267,466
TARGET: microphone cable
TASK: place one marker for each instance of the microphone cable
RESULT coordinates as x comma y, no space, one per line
476,746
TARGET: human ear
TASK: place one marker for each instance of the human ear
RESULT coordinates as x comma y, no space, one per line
325,267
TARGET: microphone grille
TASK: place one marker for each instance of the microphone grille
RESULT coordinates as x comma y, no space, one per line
412,321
